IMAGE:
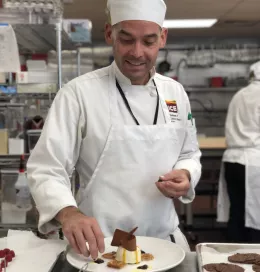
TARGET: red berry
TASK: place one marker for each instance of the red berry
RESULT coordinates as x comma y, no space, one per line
6,251
2,254
12,254
4,264
8,258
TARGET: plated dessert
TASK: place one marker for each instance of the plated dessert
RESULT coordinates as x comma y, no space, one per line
128,253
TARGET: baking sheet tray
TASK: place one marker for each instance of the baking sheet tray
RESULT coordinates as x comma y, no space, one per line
218,253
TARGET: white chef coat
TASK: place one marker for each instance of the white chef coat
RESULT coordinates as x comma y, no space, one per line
242,123
242,131
76,131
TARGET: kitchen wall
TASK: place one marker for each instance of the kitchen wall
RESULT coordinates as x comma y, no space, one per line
193,67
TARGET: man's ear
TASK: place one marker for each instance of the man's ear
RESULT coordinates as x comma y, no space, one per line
108,33
164,34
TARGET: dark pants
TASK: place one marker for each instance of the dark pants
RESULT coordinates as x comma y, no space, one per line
236,230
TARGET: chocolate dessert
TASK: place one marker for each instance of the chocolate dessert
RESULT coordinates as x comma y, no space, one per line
99,261
127,250
143,267
223,267
245,258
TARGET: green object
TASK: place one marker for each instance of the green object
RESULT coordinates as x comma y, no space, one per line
190,117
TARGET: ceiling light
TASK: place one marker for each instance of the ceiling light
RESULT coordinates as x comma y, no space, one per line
190,23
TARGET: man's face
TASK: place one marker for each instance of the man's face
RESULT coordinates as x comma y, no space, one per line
136,45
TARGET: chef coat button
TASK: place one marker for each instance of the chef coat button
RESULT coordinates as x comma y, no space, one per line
153,93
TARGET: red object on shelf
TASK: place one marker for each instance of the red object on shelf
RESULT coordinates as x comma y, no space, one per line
1,3
23,68
39,57
216,82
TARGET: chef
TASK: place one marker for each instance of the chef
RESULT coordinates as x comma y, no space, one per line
239,183
129,133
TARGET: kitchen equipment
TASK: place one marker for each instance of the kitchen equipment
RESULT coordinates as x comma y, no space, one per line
216,82
3,141
164,66
10,213
219,252
33,136
60,260
58,264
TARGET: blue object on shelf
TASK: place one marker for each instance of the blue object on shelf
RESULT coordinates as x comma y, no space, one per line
8,89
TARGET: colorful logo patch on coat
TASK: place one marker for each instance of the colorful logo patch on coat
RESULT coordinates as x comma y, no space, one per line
172,106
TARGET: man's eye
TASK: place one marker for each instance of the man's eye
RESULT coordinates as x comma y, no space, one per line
126,41
149,43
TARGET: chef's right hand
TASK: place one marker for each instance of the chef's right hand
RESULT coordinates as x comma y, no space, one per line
78,229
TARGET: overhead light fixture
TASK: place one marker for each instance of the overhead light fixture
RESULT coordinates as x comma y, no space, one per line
189,23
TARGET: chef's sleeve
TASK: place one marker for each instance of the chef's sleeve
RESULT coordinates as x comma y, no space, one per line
52,160
190,154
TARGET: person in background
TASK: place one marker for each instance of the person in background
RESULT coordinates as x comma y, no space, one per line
129,134
239,184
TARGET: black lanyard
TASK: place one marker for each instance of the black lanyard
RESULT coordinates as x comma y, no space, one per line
128,106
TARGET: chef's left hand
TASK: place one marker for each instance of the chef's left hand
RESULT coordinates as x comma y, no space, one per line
174,184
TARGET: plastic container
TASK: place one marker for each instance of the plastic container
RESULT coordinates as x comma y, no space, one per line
33,137
10,213
22,190
217,82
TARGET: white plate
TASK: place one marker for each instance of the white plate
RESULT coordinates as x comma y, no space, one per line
166,255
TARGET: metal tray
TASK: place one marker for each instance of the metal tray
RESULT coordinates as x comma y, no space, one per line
224,248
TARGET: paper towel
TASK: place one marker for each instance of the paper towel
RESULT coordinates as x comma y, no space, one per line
32,253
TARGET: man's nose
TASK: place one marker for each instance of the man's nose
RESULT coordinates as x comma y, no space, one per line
137,50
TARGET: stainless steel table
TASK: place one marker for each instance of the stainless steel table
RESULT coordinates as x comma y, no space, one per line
189,264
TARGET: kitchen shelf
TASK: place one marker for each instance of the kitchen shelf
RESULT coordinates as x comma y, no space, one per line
11,161
27,95
212,89
41,38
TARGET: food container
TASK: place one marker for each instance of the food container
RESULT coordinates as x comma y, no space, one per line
10,214
217,82
33,137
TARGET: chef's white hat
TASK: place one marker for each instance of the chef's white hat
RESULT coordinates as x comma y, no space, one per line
146,10
255,68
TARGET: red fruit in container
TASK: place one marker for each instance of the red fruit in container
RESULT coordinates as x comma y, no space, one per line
8,258
6,251
12,253
2,254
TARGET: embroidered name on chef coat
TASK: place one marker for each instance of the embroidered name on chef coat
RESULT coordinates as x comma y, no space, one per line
173,110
